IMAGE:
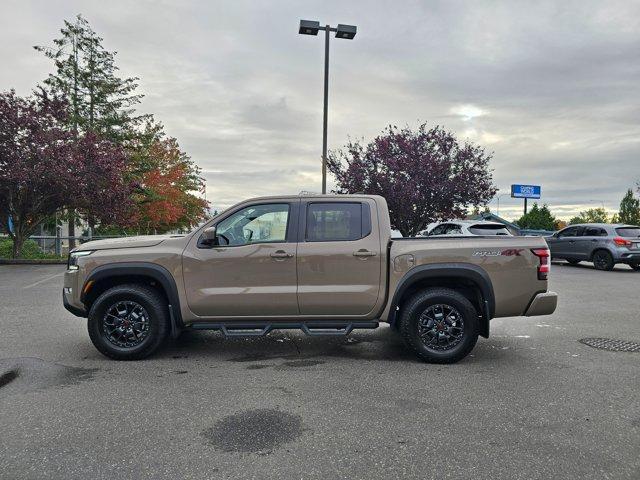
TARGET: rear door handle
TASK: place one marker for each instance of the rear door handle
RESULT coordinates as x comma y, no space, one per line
364,253
281,254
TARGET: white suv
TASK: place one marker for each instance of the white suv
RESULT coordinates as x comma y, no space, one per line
465,228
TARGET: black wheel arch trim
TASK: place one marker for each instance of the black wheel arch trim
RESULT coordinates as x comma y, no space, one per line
144,269
466,271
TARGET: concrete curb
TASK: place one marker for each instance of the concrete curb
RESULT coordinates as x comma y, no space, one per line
26,261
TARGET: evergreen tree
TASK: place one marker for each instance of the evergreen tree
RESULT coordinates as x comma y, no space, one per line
538,218
629,209
85,73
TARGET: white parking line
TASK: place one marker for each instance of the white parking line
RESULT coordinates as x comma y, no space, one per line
44,280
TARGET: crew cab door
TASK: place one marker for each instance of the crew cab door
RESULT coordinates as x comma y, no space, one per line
251,268
339,258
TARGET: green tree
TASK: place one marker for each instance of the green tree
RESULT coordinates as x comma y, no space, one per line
593,215
629,209
538,218
85,73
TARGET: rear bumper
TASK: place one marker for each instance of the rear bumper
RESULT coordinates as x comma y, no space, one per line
542,304
629,257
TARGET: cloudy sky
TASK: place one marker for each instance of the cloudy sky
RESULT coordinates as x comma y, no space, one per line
552,88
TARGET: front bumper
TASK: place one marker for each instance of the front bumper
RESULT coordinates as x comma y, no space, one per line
70,297
542,304
77,311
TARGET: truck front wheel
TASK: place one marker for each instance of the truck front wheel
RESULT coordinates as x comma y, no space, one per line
128,322
440,325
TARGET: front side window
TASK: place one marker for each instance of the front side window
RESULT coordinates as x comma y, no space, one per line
454,229
255,224
329,222
439,230
569,232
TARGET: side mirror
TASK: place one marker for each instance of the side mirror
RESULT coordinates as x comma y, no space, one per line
209,235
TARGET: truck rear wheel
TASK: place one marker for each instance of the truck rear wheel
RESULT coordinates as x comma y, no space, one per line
440,325
128,322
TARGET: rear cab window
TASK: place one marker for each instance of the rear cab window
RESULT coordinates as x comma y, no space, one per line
337,221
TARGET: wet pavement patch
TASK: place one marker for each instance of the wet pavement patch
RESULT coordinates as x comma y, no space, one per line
8,377
254,431
302,363
25,374
257,367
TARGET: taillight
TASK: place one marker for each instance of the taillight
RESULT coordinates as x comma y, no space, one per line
622,242
545,262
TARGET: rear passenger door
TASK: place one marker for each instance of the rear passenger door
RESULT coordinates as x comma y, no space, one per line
591,238
339,261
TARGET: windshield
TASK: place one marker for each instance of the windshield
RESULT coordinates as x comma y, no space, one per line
628,231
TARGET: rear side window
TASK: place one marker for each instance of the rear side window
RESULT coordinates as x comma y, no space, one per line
334,221
628,231
594,232
489,230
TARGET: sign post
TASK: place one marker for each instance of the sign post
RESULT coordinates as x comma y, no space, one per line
526,192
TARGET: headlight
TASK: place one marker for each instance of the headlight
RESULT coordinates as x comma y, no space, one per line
72,263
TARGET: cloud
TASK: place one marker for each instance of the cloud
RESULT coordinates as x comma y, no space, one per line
550,87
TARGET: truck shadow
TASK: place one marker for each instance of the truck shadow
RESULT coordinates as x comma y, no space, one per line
299,350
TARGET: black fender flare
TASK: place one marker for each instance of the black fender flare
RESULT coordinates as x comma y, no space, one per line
144,269
466,271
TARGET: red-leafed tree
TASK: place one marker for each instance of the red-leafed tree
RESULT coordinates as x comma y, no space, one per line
425,174
166,180
43,169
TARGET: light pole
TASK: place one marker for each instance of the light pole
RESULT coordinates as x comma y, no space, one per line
308,27
498,199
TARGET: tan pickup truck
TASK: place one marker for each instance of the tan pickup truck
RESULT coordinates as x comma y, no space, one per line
325,264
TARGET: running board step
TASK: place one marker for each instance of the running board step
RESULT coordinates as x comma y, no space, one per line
233,329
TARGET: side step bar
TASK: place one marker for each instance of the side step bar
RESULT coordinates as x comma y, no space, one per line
233,329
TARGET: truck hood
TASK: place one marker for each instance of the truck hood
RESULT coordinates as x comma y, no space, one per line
125,242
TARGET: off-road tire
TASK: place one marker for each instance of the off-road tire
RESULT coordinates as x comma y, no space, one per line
419,303
156,308
603,260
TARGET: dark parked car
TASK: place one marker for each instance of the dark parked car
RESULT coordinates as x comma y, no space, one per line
601,243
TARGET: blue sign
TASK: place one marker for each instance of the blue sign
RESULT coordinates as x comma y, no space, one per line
525,191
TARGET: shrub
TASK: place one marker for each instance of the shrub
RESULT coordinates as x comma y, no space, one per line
30,250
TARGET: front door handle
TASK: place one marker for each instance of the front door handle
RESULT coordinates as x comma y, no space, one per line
281,254
364,253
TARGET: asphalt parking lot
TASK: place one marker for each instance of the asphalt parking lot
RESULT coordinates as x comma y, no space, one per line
531,402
